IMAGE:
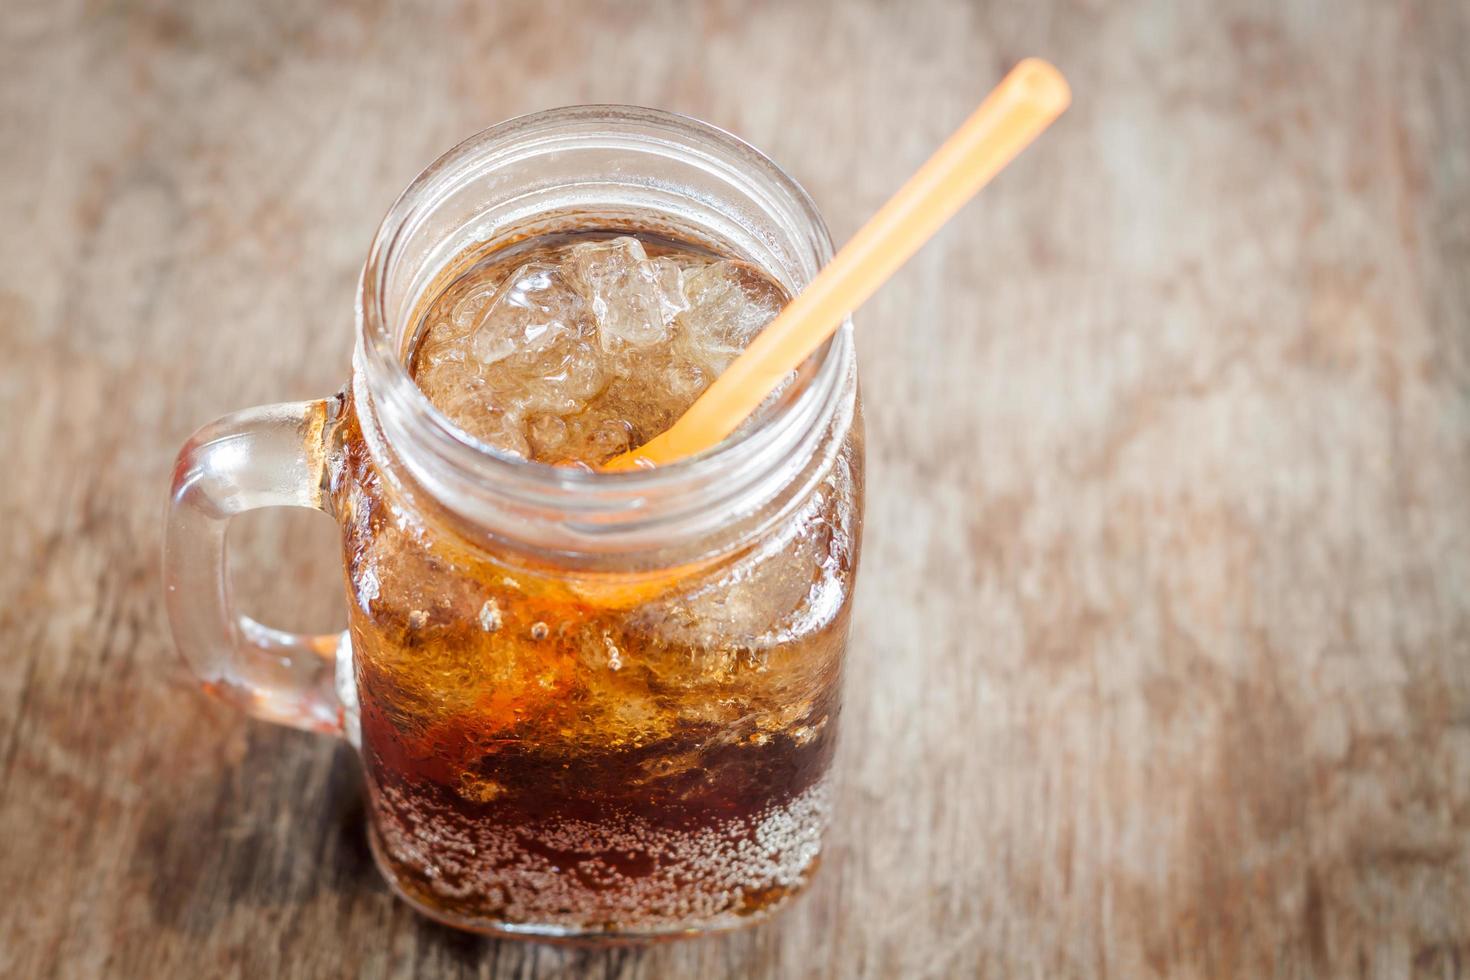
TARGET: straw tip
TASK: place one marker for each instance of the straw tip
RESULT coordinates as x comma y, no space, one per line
1043,83
646,457
624,462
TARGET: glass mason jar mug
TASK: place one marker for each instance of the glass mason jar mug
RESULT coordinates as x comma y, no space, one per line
588,704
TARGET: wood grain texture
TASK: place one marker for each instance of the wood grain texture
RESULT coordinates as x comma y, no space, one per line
1162,656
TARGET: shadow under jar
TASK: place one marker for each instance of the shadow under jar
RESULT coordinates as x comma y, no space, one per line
594,705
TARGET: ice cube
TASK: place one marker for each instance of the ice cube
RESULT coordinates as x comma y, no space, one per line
455,388
613,436
465,311
575,372
442,345
686,379
500,430
558,380
547,433
587,348
633,298
729,303
533,309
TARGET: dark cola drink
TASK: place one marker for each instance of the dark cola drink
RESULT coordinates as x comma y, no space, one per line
559,752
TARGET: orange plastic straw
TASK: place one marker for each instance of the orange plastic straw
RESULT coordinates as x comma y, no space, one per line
1025,102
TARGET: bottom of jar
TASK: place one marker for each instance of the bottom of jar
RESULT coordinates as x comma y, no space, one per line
586,936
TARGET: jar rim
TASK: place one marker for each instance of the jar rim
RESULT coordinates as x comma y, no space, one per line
604,498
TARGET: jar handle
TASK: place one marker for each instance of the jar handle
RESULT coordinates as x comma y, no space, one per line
273,456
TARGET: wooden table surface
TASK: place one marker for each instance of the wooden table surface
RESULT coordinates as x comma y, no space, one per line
1162,656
